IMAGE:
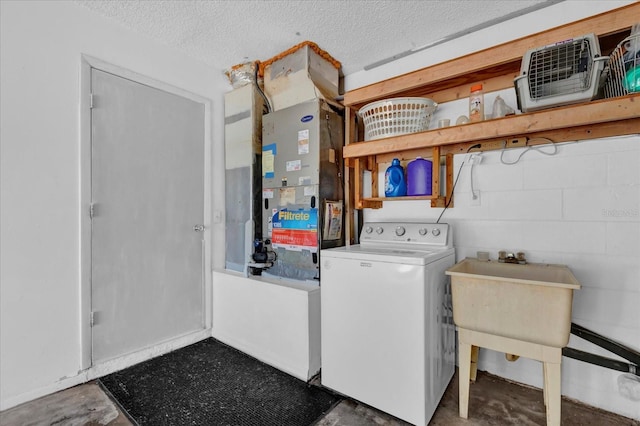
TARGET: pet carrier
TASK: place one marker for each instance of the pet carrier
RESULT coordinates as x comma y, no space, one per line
563,73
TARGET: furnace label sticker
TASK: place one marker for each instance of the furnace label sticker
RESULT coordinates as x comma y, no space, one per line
267,193
304,180
303,142
295,230
268,154
294,165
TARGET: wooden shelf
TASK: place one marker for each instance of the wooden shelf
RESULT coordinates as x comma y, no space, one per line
607,117
371,163
403,198
495,68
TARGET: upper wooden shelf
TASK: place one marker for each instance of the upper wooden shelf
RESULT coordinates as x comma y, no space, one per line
496,66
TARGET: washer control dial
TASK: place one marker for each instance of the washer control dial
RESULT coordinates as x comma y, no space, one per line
368,229
400,231
435,232
423,231
379,230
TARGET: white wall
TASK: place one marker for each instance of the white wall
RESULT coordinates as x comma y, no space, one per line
41,47
580,207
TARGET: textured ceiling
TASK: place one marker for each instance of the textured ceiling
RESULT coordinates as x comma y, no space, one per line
358,33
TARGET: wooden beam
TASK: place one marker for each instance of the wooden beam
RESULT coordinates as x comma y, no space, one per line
554,119
349,187
603,130
358,183
435,174
405,155
373,167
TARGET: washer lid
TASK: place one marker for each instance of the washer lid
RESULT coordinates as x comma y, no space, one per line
388,254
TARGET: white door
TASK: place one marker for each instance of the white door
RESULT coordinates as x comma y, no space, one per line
147,192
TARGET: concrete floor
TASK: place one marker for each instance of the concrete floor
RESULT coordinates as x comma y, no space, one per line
493,401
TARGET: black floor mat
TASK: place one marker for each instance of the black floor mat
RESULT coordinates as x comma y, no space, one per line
210,383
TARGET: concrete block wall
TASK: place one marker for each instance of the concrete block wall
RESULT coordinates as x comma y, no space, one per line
579,207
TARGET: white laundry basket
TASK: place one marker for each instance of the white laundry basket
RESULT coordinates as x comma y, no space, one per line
397,116
624,67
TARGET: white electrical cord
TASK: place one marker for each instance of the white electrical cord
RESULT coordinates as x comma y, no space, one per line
456,181
473,163
535,148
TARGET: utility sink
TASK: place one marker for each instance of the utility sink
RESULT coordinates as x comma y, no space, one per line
530,302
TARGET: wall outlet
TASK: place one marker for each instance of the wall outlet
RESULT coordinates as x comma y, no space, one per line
475,159
504,143
515,142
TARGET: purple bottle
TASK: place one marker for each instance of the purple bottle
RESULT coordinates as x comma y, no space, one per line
419,177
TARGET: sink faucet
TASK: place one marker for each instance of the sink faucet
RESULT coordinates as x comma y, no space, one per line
505,257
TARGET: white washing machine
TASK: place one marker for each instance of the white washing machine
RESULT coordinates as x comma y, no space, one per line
388,336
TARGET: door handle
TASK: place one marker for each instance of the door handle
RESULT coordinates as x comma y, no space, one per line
198,228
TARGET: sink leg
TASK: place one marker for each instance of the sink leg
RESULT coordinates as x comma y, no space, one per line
475,350
464,369
552,381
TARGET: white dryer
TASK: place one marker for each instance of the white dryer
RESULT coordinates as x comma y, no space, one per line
388,336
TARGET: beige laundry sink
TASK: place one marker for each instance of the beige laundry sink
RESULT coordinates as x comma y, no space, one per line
530,302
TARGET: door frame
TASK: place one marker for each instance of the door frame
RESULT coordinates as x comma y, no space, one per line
86,64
